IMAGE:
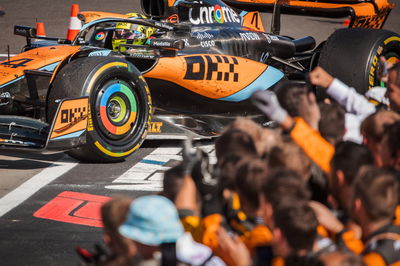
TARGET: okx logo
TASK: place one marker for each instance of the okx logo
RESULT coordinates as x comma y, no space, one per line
211,67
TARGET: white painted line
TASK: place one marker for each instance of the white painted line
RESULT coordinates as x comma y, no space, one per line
6,55
35,183
148,174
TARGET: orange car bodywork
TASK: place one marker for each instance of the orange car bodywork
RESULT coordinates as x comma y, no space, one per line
198,73
89,16
364,14
44,58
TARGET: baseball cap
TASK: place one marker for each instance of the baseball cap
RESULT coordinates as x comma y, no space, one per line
152,220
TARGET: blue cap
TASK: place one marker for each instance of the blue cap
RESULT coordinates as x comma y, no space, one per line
152,220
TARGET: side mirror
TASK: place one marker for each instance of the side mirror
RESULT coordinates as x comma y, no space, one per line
25,31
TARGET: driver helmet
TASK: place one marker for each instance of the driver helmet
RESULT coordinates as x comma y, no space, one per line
128,33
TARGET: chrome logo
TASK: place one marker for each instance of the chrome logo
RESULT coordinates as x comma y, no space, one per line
100,36
218,14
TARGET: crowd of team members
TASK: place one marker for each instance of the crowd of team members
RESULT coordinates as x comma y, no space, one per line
321,188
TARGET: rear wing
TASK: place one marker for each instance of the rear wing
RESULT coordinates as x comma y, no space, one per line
362,13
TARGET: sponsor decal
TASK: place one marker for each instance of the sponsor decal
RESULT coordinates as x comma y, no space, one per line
186,41
203,35
374,22
212,14
218,14
163,25
203,68
17,63
155,127
142,53
177,2
249,36
205,44
22,30
71,118
75,208
100,53
372,70
89,126
162,43
99,36
269,40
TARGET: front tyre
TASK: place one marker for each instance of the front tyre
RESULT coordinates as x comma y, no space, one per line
119,106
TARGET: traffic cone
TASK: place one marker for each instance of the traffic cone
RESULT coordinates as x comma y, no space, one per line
40,32
74,23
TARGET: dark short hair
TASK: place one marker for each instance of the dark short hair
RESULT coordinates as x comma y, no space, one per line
113,214
349,157
289,96
374,125
298,224
377,189
234,141
332,122
172,182
227,168
392,132
250,177
284,185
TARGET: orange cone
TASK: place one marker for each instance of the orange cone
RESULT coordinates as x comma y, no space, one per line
40,32
74,23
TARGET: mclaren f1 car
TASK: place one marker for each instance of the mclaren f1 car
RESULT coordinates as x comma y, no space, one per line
191,77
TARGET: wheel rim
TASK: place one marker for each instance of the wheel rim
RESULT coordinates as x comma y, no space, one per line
116,108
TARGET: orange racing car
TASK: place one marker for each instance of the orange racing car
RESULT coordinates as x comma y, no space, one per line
185,69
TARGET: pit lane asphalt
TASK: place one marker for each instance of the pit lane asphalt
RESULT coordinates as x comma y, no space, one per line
27,234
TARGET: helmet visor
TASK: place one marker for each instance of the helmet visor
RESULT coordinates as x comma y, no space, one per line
128,34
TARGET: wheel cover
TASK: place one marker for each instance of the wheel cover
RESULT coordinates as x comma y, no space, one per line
116,107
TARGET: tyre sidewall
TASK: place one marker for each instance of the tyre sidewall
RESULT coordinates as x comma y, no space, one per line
386,44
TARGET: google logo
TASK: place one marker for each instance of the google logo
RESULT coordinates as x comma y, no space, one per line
218,14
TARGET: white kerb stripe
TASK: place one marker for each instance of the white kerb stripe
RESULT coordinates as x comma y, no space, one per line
74,24
34,184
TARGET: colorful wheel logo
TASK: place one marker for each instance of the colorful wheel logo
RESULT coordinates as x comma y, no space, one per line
218,14
99,36
118,108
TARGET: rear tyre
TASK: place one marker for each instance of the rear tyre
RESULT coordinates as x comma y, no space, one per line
119,111
352,55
